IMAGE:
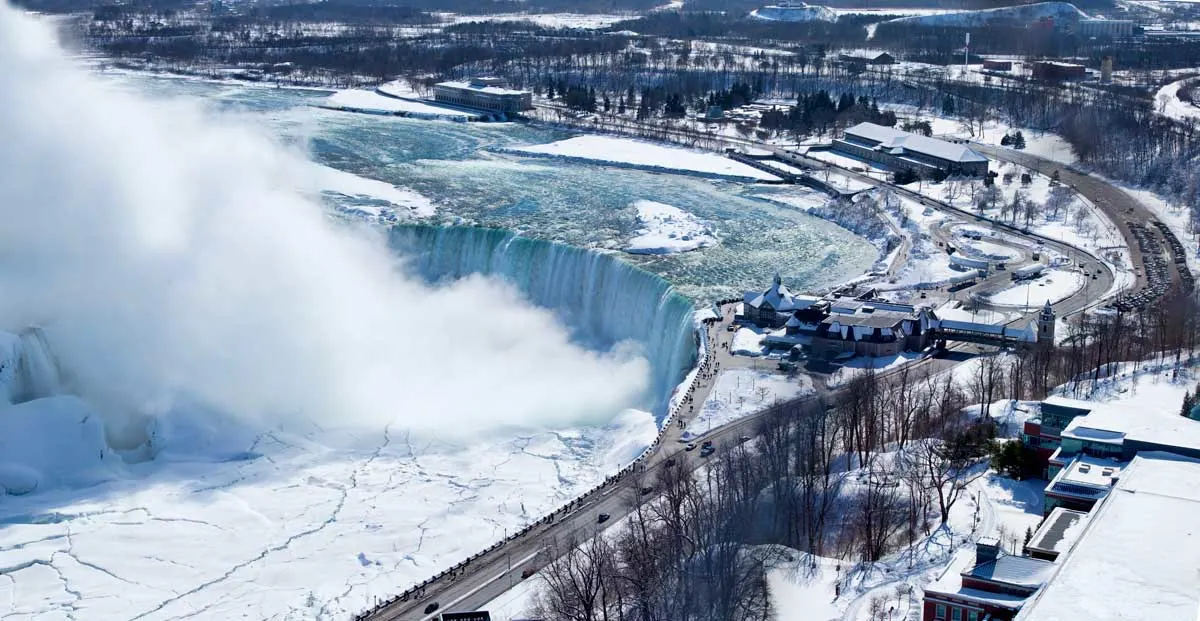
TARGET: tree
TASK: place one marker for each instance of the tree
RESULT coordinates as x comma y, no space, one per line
1188,403
947,466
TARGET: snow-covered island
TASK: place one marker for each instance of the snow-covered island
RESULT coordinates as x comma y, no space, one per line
637,154
667,230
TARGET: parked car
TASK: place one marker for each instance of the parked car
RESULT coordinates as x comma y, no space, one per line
431,608
646,490
690,447
602,518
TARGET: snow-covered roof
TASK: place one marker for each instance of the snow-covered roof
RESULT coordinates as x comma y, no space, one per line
950,584
1139,555
779,297
1018,570
482,88
1114,424
1058,531
891,139
1089,470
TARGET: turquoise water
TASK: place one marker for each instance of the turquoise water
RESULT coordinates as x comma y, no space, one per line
580,205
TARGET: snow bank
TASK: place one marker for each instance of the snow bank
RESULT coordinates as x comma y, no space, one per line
741,392
54,442
641,155
668,230
747,342
372,102
369,193
805,13
1024,14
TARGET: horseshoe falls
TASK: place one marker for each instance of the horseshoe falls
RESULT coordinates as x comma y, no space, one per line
604,300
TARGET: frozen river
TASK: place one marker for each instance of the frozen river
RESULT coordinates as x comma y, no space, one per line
456,167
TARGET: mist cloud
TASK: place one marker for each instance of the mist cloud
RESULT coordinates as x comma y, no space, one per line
171,260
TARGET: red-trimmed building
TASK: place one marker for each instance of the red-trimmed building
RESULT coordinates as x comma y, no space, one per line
993,588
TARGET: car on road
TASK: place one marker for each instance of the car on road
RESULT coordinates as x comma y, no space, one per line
433,606
706,451
602,518
744,439
690,447
646,490
731,327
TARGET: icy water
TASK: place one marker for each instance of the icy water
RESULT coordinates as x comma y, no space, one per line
581,205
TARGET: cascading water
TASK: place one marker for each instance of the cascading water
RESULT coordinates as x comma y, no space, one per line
37,373
603,299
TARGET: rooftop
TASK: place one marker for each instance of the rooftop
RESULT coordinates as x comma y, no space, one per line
1088,470
1018,570
950,583
482,86
1138,557
1113,424
890,138
1060,529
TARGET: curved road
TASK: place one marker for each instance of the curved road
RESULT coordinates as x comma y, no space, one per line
496,570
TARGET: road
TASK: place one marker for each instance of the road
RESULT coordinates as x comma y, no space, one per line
496,570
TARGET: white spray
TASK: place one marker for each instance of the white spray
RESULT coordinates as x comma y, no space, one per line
171,262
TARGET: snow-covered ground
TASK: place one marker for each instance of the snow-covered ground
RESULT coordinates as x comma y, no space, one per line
645,155
807,13
1167,101
370,101
373,197
747,341
295,523
953,311
1021,14
588,21
1053,285
860,364
738,393
666,230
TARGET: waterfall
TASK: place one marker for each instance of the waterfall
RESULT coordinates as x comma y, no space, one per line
602,299
37,372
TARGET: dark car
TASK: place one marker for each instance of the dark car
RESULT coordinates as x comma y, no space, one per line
646,490
431,607
602,518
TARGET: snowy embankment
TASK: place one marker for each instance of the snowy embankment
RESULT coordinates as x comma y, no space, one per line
1167,101
748,341
372,102
667,230
805,13
739,393
640,155
1024,14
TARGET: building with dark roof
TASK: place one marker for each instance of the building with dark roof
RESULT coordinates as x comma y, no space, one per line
993,588
903,150
1057,533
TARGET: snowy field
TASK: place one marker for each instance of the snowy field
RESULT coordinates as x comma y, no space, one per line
371,101
741,392
1053,285
645,155
587,21
667,230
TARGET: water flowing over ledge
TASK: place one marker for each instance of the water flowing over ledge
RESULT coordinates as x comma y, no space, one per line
601,298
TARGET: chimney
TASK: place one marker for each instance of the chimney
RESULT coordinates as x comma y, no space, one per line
986,551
